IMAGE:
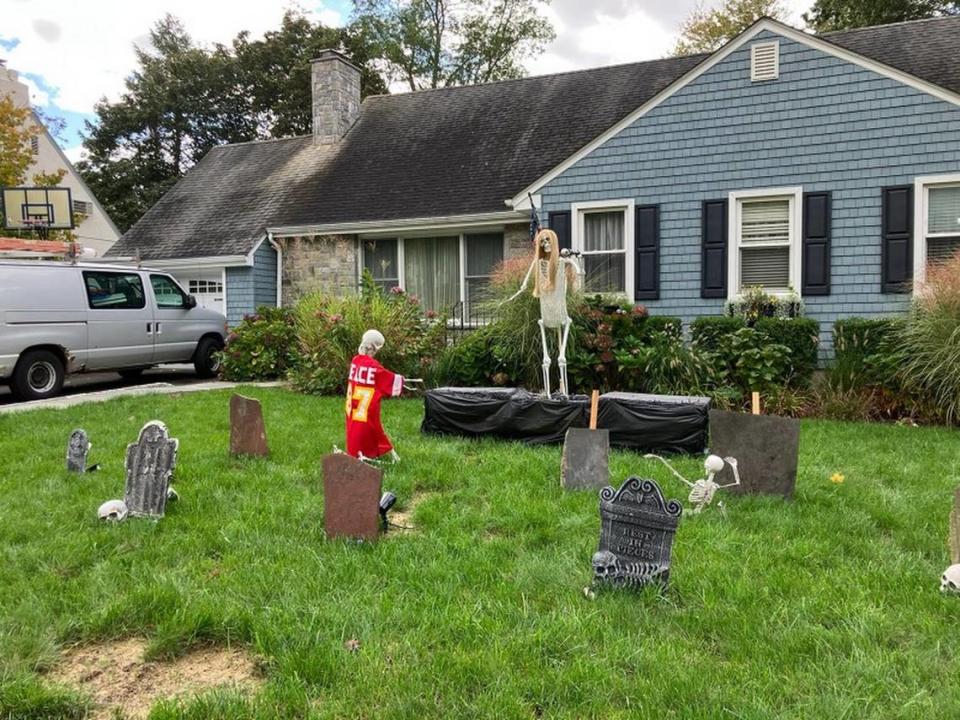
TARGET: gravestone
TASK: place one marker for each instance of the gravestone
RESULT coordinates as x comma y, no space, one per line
585,463
766,448
637,527
954,536
248,436
77,448
150,463
351,497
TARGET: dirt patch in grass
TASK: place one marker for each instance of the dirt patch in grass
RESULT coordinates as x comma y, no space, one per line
404,518
119,681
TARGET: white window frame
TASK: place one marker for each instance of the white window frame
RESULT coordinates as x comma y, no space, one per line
736,198
921,200
462,250
626,205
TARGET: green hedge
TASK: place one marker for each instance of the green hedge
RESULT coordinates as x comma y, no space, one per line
707,332
800,335
865,352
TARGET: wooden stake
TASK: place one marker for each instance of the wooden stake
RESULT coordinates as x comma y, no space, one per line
954,538
594,404
755,402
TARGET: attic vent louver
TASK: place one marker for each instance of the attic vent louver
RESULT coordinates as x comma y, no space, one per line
765,61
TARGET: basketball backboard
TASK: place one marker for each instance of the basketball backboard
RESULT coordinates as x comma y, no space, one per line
37,208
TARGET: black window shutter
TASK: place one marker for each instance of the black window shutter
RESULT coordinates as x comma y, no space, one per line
646,248
897,242
560,224
816,244
713,273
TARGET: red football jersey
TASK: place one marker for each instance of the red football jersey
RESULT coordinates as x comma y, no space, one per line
368,382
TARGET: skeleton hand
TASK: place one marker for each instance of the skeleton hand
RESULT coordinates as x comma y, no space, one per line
411,384
567,252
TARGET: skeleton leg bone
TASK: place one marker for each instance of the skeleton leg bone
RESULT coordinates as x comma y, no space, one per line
564,335
546,359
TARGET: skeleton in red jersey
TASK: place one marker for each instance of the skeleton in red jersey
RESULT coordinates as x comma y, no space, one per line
368,383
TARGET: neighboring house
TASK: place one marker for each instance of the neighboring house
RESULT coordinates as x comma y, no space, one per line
827,164
95,232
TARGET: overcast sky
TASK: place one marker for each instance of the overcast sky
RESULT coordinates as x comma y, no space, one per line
73,52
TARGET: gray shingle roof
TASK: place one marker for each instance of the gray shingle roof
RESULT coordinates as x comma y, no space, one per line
447,152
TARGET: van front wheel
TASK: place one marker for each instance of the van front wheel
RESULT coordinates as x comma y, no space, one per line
206,360
38,375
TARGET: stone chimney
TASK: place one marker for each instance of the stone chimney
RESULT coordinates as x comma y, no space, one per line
335,84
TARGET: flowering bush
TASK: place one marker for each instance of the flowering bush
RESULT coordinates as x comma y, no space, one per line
262,347
330,329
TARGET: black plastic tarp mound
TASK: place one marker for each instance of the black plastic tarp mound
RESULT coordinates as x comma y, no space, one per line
650,423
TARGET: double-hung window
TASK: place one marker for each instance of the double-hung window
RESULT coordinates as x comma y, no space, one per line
449,274
765,240
604,235
936,220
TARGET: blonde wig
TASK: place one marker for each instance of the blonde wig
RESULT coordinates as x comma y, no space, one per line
543,284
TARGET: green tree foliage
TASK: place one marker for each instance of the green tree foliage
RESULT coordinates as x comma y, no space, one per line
184,99
827,15
706,30
16,129
438,43
274,72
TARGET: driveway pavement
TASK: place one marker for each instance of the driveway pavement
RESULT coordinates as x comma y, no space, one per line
95,382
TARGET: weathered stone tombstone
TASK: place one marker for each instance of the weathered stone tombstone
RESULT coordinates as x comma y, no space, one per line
149,464
954,535
585,462
77,448
351,498
248,435
766,448
637,527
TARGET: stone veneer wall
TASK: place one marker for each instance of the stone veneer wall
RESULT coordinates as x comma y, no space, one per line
318,262
517,241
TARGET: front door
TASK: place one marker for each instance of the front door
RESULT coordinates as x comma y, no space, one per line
176,336
120,321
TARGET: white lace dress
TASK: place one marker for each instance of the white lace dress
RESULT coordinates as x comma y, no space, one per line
553,302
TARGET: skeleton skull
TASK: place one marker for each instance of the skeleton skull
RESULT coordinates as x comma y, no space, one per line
713,464
113,510
950,580
604,565
545,243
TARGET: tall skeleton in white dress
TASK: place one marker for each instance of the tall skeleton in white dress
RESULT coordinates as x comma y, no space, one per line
556,270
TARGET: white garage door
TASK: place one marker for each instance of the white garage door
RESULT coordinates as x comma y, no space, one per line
207,291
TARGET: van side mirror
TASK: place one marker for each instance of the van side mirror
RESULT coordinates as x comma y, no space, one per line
191,302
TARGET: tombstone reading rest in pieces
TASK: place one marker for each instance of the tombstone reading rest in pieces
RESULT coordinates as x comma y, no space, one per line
150,463
248,436
636,535
77,448
351,497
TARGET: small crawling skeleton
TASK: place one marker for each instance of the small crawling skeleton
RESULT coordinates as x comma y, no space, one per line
609,570
703,490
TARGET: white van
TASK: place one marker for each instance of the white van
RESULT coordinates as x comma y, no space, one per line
58,318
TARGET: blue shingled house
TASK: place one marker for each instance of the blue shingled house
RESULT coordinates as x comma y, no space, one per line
829,165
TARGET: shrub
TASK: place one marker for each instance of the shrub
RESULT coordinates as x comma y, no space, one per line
802,336
747,360
664,364
865,353
330,329
471,362
262,347
599,327
930,343
708,332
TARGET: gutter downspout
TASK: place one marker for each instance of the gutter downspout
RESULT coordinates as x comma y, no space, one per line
279,250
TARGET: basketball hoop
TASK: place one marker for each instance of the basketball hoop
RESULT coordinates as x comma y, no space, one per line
38,226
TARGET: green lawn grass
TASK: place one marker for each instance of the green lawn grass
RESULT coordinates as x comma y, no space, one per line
824,607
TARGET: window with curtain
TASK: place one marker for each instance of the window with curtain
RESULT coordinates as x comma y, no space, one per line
484,253
380,258
764,243
431,268
604,250
943,222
